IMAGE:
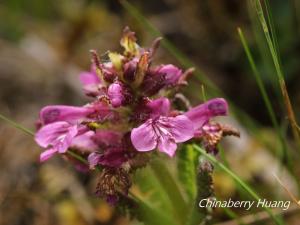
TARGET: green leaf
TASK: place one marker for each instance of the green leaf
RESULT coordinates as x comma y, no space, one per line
152,215
172,190
154,204
187,168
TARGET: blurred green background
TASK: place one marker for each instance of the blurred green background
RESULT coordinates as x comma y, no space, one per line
45,44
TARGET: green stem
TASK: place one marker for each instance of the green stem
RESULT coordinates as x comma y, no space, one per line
16,125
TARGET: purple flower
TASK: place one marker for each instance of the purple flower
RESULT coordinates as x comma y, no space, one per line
201,114
124,120
170,73
57,137
161,131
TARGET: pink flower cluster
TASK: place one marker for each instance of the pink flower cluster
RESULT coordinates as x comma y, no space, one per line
131,112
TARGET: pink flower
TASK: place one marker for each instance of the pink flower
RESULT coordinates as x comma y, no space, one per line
201,114
171,74
161,131
57,137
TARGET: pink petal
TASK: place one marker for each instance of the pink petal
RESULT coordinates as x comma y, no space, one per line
63,144
200,114
143,137
47,154
167,145
64,141
53,113
181,128
159,107
59,135
49,133
88,78
90,82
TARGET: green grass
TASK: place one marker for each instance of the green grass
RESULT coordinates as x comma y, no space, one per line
273,48
265,97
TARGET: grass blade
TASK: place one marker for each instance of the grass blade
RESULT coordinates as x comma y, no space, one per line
16,125
265,96
279,72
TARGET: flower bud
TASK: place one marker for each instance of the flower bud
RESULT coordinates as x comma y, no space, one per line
115,93
118,94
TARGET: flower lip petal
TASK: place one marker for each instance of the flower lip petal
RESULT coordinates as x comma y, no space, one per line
167,145
64,141
45,155
181,128
59,135
49,133
143,137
